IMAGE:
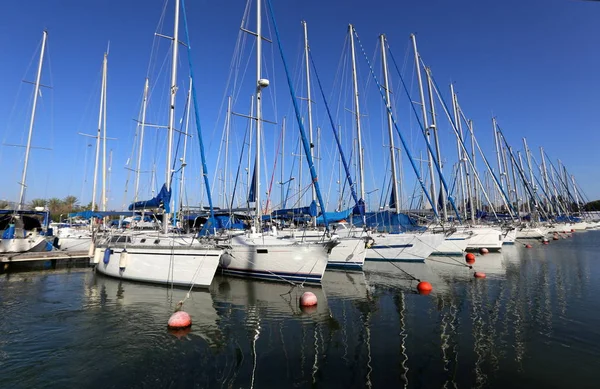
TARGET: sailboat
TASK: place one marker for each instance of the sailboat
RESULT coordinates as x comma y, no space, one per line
268,255
164,256
21,229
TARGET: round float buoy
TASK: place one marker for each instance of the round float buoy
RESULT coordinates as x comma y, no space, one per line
308,299
424,287
572,230
470,257
179,319
528,246
483,250
545,242
479,274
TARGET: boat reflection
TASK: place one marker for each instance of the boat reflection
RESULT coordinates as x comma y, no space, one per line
152,305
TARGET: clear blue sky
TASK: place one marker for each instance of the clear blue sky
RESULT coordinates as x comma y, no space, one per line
530,63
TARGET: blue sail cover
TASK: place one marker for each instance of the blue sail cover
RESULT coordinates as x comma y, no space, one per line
162,200
311,210
388,221
333,217
359,208
252,191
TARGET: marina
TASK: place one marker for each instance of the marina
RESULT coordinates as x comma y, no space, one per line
191,200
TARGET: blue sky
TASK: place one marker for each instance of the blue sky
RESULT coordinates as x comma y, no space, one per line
530,63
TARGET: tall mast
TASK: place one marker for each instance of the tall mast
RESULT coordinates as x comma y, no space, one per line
528,203
433,127
475,194
532,177
500,170
461,169
424,112
390,123
227,131
282,159
185,140
546,184
171,111
104,76
357,115
309,107
99,134
260,83
35,97
141,146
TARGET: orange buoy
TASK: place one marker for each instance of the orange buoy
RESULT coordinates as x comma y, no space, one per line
483,250
528,246
479,274
424,287
179,319
308,299
470,257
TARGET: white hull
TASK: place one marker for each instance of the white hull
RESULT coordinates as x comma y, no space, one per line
579,226
73,239
559,227
182,261
485,237
455,244
24,245
269,257
531,233
405,247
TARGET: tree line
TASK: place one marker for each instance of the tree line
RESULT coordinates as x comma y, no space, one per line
56,206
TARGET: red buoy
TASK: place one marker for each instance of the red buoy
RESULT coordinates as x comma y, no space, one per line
479,274
470,257
483,250
572,230
179,319
528,246
424,287
308,299
545,242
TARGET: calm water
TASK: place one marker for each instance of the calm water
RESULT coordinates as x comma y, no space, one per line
535,320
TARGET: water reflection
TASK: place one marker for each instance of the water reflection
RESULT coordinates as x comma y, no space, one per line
534,318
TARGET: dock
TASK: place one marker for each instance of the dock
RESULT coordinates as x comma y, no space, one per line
45,258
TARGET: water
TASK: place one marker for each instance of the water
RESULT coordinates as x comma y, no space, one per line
535,320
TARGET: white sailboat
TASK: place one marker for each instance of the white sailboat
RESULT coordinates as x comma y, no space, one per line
265,254
160,256
21,232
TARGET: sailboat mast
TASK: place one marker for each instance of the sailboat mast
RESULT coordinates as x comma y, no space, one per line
282,159
141,146
227,131
390,124
260,83
104,76
171,111
460,166
500,171
546,184
357,114
309,108
99,134
185,140
436,140
424,112
35,97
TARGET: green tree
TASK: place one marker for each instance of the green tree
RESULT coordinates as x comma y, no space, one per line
70,203
37,203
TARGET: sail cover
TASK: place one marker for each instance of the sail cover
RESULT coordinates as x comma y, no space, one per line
333,217
162,200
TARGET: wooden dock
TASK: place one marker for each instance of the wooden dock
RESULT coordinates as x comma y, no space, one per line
42,256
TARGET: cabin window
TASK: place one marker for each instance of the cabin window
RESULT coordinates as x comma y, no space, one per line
156,241
120,239
143,240
262,251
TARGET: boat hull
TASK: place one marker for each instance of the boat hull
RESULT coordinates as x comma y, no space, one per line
177,261
486,237
405,247
275,259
